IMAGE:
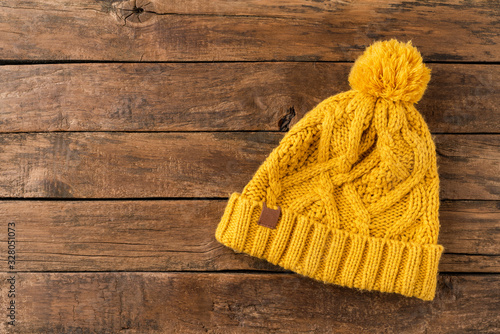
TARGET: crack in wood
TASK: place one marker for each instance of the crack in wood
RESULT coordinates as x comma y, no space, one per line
284,122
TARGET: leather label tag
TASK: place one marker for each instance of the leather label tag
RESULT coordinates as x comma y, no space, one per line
269,217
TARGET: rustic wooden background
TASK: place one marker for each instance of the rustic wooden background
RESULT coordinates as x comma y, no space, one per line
126,125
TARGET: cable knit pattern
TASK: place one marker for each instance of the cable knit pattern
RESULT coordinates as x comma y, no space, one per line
357,183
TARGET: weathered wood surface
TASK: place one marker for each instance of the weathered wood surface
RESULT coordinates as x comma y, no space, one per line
243,303
254,30
164,142
469,161
177,235
194,164
470,227
219,96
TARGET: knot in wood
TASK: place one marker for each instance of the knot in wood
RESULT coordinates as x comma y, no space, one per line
135,12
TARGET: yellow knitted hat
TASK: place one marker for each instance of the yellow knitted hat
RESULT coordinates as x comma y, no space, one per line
350,196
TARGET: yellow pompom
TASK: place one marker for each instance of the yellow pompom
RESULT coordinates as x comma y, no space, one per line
391,70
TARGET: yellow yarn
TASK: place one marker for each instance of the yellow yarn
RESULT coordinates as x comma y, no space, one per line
357,183
392,70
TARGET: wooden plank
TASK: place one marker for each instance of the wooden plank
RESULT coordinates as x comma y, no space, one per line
118,165
194,164
219,96
236,303
479,159
200,164
470,263
295,30
179,235
470,227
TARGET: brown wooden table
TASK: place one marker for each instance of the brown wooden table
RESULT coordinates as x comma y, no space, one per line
125,126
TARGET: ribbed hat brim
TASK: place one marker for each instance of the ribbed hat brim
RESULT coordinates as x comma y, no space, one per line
307,247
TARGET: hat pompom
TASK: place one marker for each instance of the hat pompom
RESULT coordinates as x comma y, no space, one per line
391,70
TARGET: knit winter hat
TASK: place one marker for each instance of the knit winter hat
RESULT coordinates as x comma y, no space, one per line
350,196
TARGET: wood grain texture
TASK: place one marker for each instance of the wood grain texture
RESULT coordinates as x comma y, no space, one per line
118,165
129,123
479,159
258,30
470,227
243,303
219,96
179,235
200,164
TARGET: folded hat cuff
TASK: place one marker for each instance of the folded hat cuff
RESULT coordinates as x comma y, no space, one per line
306,246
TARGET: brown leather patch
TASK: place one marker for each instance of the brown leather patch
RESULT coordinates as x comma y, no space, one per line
269,217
